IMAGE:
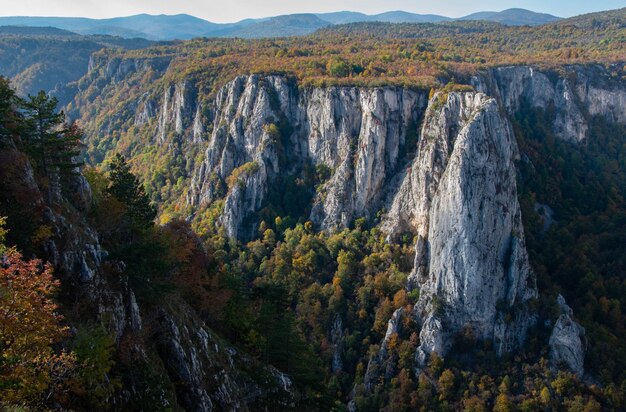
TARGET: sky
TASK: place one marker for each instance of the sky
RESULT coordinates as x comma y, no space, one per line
223,11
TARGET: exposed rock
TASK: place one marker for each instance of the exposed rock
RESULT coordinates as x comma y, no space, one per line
147,112
572,98
358,133
212,376
336,339
380,364
567,342
361,134
118,69
457,194
176,110
241,136
460,197
243,199
546,214
198,125
81,194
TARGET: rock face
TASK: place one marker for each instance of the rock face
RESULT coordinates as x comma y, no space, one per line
585,91
178,101
362,136
567,342
336,339
359,134
243,142
443,169
460,197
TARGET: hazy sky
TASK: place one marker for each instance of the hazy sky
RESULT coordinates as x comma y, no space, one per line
234,10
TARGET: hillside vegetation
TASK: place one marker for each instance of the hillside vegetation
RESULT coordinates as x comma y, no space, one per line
411,54
45,58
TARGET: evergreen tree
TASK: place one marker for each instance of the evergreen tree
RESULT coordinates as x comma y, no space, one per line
52,143
8,115
126,188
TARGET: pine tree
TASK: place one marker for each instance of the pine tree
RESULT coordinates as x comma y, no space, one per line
126,188
42,127
9,118
48,139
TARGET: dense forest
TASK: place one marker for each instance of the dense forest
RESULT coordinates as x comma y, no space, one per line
294,297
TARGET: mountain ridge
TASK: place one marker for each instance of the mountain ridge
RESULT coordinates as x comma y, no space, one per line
185,26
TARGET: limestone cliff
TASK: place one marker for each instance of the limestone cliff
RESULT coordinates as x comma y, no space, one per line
567,342
359,134
457,194
573,97
460,195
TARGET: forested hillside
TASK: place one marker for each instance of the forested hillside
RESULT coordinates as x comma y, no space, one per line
40,58
185,27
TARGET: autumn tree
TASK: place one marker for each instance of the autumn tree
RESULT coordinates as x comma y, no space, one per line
446,384
29,327
503,404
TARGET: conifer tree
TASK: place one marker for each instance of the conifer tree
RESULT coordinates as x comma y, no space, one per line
53,144
8,115
126,188
43,125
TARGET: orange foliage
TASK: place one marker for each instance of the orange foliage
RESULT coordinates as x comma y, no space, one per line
29,326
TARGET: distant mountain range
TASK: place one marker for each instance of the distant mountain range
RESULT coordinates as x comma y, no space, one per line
513,17
184,26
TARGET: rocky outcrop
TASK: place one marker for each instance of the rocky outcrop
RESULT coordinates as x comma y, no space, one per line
460,197
359,134
571,98
244,144
212,376
445,173
207,373
177,109
336,339
567,342
458,194
119,69
381,363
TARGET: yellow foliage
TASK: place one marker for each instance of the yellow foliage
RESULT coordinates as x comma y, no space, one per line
43,233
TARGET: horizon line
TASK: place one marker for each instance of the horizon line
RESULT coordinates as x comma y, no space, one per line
288,14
